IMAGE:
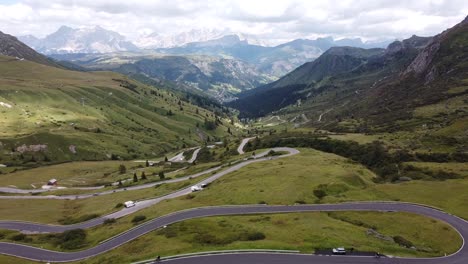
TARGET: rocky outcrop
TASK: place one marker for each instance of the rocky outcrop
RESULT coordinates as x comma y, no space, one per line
414,42
421,65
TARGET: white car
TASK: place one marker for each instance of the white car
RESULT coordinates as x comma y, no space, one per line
129,204
339,251
196,188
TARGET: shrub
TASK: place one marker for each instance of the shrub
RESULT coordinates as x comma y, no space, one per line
319,193
255,236
138,218
109,221
21,237
402,241
72,239
122,169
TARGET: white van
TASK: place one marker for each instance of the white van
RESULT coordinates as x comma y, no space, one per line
339,251
129,204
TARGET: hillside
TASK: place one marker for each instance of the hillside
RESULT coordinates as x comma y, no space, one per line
11,46
55,115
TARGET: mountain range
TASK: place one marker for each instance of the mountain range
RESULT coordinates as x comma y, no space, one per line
272,60
80,40
217,77
156,40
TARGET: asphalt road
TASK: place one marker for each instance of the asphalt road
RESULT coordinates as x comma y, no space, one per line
33,227
89,195
240,149
177,158
53,256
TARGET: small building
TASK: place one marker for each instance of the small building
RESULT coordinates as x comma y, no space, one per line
52,182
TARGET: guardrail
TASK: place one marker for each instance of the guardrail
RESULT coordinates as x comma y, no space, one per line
220,252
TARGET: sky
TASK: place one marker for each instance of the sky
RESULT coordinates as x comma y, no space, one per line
272,21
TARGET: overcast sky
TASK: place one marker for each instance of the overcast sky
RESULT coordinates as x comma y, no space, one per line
271,20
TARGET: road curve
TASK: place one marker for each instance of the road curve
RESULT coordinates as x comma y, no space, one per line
459,224
194,155
40,228
244,141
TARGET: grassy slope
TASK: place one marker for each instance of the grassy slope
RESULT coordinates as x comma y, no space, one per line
114,120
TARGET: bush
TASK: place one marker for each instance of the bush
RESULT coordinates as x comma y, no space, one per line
138,218
255,236
72,239
21,237
402,241
109,221
319,193
122,169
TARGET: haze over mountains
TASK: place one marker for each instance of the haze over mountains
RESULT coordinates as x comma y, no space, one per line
99,40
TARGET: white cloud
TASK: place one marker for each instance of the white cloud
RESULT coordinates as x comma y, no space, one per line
270,20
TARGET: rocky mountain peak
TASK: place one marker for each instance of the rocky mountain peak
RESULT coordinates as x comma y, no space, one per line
80,40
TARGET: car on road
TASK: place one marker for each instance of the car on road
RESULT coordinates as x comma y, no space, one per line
339,251
196,188
128,204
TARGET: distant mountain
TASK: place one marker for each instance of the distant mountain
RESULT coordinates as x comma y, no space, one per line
81,40
417,83
285,91
275,61
11,46
338,68
218,77
156,40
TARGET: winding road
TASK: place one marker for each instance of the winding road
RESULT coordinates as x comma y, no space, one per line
38,254
459,224
244,141
178,158
89,195
39,228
